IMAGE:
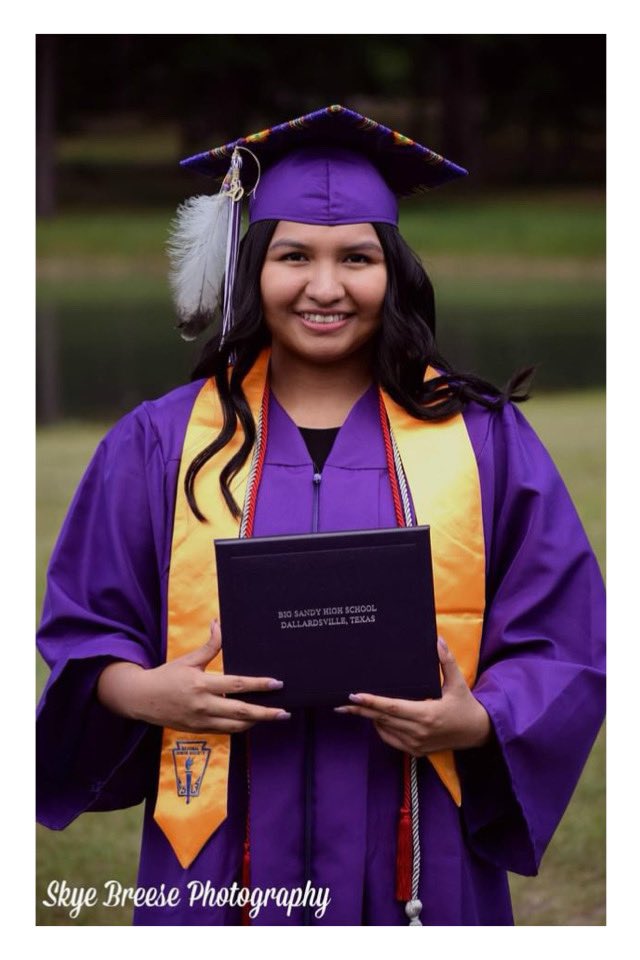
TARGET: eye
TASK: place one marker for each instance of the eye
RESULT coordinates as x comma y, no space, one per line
357,258
294,256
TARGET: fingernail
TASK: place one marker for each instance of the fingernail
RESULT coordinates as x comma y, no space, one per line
442,643
283,715
341,709
275,685
355,697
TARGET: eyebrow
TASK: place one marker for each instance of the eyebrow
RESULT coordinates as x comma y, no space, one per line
365,245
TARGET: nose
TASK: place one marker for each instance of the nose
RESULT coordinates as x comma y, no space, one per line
324,285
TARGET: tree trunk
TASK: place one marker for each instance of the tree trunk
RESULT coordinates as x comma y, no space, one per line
45,124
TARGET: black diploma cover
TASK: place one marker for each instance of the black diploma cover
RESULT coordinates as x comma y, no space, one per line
330,614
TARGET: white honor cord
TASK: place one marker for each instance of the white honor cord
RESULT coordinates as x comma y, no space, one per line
414,906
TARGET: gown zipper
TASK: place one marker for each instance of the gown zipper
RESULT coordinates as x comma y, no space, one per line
317,477
309,734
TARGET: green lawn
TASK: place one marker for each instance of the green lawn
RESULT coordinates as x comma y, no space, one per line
570,888
540,224
536,224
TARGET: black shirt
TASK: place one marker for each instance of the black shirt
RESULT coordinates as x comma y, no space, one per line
319,443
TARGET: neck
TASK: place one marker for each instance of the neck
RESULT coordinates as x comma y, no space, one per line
318,395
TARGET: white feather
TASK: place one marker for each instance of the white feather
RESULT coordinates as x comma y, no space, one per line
197,250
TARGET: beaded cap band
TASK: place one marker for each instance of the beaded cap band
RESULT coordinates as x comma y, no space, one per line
408,167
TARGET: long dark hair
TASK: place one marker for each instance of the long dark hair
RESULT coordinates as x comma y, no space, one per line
405,345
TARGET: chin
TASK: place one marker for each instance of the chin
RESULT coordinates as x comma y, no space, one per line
325,354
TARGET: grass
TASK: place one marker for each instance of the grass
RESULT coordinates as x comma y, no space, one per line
570,887
539,225
88,234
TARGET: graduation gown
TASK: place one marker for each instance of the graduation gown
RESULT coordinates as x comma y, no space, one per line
541,679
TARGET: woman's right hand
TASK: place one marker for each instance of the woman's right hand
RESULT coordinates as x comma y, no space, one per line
180,694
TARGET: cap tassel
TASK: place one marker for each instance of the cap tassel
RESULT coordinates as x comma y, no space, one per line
230,268
198,249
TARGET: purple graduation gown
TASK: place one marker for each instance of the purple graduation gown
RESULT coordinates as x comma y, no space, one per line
540,678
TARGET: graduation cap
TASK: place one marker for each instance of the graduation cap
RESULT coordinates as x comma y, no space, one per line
330,167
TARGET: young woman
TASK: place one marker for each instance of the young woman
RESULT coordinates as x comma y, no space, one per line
337,413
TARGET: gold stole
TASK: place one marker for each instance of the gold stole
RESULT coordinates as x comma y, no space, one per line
442,474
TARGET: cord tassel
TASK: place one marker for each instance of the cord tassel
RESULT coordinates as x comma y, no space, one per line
246,877
408,852
245,873
404,854
413,907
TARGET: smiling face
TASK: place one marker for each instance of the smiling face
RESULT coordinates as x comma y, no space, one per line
322,290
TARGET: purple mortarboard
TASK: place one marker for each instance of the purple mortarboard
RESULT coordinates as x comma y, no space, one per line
327,186
330,167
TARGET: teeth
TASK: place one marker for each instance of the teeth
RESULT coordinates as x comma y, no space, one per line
323,317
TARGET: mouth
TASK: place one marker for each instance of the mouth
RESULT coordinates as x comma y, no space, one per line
325,321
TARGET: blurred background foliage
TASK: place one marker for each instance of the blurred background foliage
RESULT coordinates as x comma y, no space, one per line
515,252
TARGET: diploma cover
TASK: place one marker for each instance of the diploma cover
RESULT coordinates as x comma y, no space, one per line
330,614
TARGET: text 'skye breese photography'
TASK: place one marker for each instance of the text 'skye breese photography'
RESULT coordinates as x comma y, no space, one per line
113,894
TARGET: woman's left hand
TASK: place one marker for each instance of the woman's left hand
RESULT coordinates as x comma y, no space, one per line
455,722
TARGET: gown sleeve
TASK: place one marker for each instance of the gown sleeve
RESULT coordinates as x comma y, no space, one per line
541,673
102,604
